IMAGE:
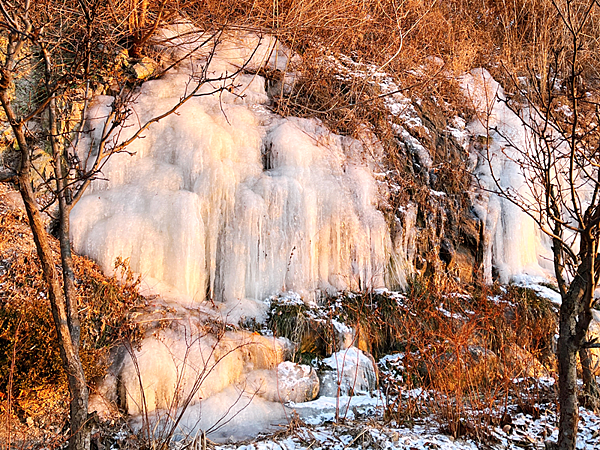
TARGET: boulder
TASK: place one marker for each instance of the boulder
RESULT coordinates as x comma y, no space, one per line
521,363
144,68
348,372
474,363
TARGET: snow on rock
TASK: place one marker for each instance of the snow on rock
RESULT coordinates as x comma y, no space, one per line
289,383
539,285
512,243
348,372
328,409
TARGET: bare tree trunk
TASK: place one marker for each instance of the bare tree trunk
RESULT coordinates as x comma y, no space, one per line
591,393
572,331
567,384
77,385
65,225
80,438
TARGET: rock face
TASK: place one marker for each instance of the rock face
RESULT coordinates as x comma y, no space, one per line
348,372
290,383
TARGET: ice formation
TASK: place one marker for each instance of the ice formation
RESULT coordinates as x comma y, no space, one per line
512,242
350,371
226,202
175,366
230,202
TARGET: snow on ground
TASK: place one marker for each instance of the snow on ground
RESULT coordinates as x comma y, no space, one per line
364,428
356,435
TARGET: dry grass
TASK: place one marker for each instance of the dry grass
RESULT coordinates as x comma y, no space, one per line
32,379
456,353
400,34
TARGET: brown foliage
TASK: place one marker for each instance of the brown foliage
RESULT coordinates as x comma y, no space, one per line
106,307
454,353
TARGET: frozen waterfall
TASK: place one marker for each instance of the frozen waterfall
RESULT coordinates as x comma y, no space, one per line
513,244
229,202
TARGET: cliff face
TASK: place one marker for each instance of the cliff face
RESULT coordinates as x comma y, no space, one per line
241,197
228,201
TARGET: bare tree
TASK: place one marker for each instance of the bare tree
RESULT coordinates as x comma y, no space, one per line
560,164
62,51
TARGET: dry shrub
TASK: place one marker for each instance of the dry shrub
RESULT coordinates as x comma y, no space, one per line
468,350
455,354
29,353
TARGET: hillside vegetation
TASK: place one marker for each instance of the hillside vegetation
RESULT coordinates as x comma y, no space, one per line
462,339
